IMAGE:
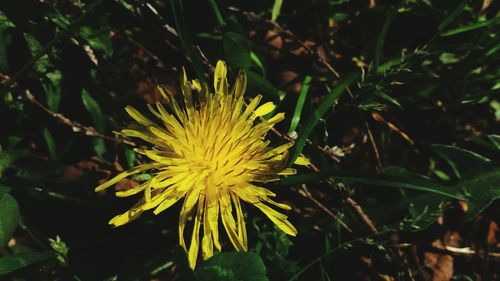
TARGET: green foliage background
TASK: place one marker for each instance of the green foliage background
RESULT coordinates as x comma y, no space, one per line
395,102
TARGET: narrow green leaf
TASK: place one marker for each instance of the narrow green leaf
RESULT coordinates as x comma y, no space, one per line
185,38
451,16
473,26
306,84
307,129
9,217
495,139
217,13
9,264
98,121
464,163
379,46
51,146
256,60
95,111
276,9
420,184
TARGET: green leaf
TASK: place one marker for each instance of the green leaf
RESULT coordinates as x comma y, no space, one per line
479,177
483,188
236,50
329,101
306,84
495,139
95,111
5,39
9,217
8,157
403,182
52,88
259,85
276,9
473,26
381,38
451,16
11,263
464,163
98,120
97,32
232,267
51,146
380,94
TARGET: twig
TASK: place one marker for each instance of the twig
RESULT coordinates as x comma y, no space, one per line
463,252
304,191
75,126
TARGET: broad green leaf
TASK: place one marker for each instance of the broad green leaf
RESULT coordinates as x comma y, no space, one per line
479,177
482,189
309,126
306,84
259,85
12,263
97,32
420,184
232,267
464,163
9,217
7,157
236,50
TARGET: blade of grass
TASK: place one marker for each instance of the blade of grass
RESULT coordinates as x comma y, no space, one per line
276,9
300,103
50,143
473,26
186,42
455,13
381,38
218,15
330,99
419,184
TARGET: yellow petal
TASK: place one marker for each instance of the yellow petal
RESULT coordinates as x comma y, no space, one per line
278,219
265,109
242,230
195,236
220,80
138,116
228,220
302,161
125,174
287,172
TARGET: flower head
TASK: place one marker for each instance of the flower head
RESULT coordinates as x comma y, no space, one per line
211,153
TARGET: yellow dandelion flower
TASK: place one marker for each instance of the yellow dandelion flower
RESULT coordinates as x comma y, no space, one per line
211,154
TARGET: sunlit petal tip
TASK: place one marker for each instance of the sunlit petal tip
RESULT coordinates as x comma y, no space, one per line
265,109
302,161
